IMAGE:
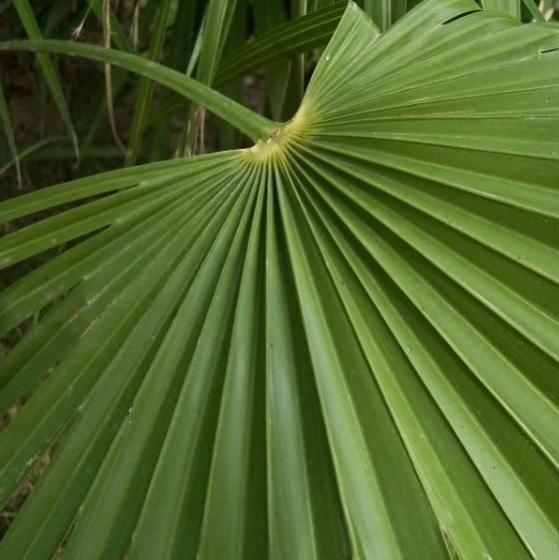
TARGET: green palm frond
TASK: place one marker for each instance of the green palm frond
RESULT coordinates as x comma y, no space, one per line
339,343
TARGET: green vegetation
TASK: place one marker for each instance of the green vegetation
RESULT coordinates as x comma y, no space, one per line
336,334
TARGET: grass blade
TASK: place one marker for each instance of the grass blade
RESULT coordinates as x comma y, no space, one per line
118,37
217,24
293,37
145,92
9,131
385,12
51,76
272,47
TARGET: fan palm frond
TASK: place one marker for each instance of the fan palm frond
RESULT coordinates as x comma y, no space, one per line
342,342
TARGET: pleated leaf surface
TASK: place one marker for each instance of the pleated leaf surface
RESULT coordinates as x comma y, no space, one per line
340,343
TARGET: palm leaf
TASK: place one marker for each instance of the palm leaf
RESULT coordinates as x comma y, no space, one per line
273,47
252,124
339,343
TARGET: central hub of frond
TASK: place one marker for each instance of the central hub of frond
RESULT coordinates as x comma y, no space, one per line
286,135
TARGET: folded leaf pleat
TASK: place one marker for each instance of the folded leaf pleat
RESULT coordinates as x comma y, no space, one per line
340,343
